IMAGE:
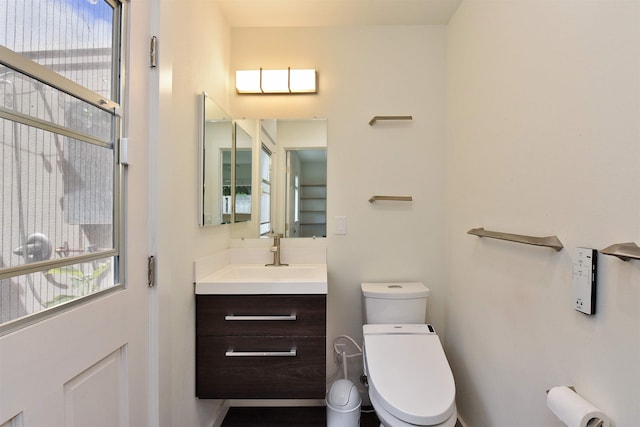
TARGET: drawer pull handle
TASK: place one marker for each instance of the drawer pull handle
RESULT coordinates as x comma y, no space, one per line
290,353
261,317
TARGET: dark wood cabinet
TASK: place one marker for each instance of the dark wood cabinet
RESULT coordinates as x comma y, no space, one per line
260,346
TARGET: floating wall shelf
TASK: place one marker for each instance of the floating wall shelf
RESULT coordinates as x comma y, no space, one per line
391,198
376,118
624,251
549,241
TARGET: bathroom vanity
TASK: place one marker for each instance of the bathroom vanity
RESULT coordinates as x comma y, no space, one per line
261,332
260,346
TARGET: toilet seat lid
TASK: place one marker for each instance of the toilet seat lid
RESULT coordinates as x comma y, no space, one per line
409,372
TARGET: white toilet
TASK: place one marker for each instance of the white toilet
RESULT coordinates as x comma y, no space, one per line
410,381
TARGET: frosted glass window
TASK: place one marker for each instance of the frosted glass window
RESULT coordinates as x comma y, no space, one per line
74,38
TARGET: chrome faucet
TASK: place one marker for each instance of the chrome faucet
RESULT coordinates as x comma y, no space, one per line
276,252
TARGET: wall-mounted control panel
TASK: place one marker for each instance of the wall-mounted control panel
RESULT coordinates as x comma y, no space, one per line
584,280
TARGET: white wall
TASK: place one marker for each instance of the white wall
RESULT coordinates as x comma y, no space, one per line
543,138
194,55
363,72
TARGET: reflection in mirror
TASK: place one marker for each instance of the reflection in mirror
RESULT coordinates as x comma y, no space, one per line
265,191
215,164
226,177
243,182
306,197
290,172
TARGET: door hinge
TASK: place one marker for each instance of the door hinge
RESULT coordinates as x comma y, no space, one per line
151,271
153,52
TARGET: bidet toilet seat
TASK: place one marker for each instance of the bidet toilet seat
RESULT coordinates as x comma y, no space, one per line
390,421
408,373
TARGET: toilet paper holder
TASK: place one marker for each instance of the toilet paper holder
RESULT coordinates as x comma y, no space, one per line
596,422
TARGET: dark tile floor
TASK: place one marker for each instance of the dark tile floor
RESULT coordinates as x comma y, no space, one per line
315,416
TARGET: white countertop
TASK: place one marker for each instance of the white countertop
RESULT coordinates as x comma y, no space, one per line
258,279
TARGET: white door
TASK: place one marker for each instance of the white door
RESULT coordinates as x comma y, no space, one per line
83,362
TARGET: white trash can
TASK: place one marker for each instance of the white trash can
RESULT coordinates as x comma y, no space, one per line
343,404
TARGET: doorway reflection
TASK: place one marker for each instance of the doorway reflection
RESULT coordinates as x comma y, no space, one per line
306,193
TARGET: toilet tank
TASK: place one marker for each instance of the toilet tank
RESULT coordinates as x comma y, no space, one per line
386,303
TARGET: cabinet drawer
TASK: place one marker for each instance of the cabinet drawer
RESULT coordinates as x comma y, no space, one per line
261,315
248,374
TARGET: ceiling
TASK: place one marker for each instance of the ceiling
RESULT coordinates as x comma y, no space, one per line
330,13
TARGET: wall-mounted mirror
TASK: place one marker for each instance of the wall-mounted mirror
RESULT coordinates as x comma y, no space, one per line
289,164
215,171
262,176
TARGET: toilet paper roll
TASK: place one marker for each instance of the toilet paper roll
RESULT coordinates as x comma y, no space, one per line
572,409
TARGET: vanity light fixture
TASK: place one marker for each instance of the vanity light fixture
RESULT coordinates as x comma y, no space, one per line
276,81
248,81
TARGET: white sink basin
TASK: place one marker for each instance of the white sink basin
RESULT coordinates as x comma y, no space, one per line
243,279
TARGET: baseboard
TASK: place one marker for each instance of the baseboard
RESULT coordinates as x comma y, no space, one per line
462,422
224,408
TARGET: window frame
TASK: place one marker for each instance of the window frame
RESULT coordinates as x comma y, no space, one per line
28,67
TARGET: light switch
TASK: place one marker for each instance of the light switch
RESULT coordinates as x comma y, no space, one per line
341,225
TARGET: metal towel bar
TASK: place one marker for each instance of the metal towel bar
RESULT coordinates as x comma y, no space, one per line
549,241
624,251
391,198
376,118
